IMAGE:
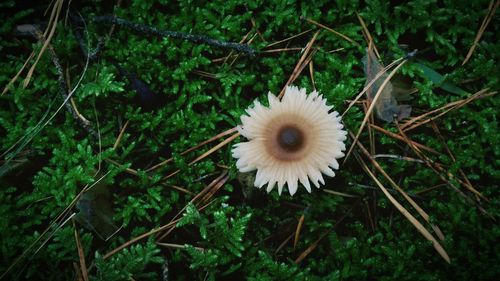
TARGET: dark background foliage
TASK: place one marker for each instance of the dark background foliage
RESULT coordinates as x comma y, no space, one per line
177,105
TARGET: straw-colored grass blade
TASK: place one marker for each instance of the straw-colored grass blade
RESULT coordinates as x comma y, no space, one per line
216,137
379,74
297,230
442,252
14,79
81,256
345,37
414,204
372,106
303,61
53,23
491,12
215,148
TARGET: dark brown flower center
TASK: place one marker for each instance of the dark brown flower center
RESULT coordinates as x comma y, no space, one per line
290,138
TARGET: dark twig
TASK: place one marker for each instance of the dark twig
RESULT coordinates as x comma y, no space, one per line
92,54
63,90
175,34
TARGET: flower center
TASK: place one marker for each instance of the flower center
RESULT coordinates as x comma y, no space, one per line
290,138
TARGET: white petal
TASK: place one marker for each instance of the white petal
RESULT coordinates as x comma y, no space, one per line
270,186
273,100
292,186
281,183
306,184
329,172
334,164
260,178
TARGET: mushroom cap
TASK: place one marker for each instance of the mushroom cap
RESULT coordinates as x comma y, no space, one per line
293,140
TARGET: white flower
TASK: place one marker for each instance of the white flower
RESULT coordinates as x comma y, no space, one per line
295,139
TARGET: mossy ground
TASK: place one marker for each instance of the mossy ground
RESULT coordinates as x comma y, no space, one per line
197,96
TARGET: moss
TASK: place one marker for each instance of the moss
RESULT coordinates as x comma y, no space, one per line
192,94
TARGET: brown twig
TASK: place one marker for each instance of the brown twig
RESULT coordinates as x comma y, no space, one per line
298,229
281,50
372,106
139,238
14,79
371,133
215,148
58,220
72,101
136,173
54,17
311,73
339,193
464,176
63,89
216,137
489,15
336,50
333,31
283,244
177,246
398,137
113,26
136,239
77,272
370,219
420,211
301,64
211,192
398,157
313,246
409,125
288,39
201,194
254,25
377,76
438,171
81,256
232,51
367,35
402,210
204,74
120,135
248,44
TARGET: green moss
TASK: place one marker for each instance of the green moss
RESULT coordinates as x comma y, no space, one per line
47,164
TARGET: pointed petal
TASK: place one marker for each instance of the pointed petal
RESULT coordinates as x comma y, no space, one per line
292,187
329,172
260,178
306,184
270,186
273,100
281,183
334,164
